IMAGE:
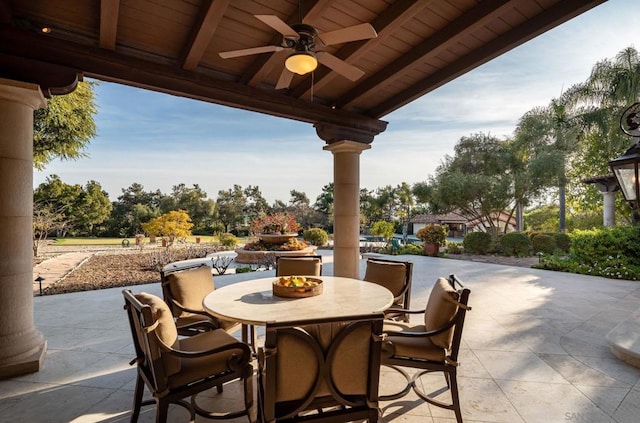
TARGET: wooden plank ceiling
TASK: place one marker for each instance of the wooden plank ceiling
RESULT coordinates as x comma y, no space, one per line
173,46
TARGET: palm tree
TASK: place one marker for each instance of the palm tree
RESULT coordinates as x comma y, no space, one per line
544,138
613,85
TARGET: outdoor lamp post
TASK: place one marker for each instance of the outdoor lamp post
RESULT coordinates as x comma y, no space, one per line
625,167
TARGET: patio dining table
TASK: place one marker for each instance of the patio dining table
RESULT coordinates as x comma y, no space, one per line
252,302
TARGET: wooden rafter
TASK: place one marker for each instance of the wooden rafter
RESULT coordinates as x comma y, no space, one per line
397,14
533,27
115,67
449,35
210,17
109,23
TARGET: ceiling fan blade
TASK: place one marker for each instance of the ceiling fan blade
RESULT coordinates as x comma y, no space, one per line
249,51
278,24
339,65
285,79
353,33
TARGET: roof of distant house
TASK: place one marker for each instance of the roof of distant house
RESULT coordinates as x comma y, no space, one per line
438,218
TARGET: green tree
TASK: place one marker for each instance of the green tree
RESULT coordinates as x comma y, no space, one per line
94,208
232,204
77,209
256,203
544,139
304,214
383,229
613,85
132,208
195,202
477,181
406,201
65,127
324,206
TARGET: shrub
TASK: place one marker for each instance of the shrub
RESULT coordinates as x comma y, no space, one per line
477,243
316,236
228,240
433,234
415,249
563,242
454,247
515,244
383,229
608,252
217,228
543,243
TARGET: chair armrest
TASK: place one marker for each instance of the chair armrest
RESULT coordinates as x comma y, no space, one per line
425,334
203,353
189,310
403,310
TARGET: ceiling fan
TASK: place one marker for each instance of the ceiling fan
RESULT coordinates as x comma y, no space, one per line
305,44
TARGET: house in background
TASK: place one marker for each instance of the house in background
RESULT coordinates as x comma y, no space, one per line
500,220
459,225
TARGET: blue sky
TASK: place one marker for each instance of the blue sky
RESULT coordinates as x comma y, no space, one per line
160,140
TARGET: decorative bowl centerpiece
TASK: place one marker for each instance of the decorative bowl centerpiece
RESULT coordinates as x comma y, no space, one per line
276,238
297,286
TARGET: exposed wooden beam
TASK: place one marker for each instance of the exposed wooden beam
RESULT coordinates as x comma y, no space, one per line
109,23
449,35
393,18
264,64
113,66
210,16
550,18
52,79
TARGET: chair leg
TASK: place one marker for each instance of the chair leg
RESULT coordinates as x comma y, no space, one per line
455,398
137,398
249,337
162,411
248,396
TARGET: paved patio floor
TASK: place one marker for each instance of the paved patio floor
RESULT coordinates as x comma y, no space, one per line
534,350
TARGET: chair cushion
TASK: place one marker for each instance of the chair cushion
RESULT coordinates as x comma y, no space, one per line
189,287
194,369
297,368
165,331
350,369
441,308
299,266
419,347
390,275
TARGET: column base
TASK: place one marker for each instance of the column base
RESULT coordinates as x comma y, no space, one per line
30,362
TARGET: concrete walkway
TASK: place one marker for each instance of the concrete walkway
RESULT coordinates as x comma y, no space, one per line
534,350
56,268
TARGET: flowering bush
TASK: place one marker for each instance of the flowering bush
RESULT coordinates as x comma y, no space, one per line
277,223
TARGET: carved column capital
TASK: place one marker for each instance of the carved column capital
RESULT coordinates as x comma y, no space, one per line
332,133
346,146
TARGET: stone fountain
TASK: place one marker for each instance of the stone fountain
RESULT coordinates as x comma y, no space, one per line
271,242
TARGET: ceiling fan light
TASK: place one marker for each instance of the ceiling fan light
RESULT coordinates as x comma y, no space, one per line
301,63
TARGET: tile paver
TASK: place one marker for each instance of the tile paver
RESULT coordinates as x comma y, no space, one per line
534,350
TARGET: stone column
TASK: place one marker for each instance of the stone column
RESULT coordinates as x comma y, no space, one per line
609,208
346,207
22,347
608,186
